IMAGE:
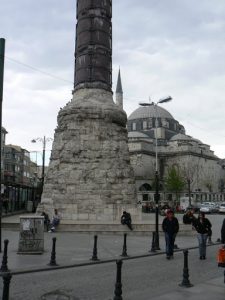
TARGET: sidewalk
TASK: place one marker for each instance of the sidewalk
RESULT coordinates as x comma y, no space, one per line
77,248
73,247
212,289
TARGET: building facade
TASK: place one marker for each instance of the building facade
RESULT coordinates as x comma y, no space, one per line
19,177
201,170
153,129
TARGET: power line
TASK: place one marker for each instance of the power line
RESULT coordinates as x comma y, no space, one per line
37,70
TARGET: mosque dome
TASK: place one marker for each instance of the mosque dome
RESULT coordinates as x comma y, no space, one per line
144,112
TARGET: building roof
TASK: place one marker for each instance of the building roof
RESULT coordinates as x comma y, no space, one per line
150,112
137,134
184,137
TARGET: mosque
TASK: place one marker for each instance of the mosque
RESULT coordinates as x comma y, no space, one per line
153,129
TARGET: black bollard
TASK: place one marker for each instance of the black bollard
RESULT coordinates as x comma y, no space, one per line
124,253
94,256
153,248
53,254
6,282
4,267
185,282
118,285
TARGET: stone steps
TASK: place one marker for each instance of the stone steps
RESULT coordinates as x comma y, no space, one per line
140,227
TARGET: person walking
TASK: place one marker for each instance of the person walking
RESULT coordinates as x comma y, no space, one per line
170,226
203,227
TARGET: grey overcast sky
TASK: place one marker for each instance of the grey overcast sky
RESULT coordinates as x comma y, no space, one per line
163,47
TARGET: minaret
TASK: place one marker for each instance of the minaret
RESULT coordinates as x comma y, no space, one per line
119,92
90,178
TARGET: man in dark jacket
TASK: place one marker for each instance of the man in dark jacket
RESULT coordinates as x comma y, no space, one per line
126,220
188,217
170,227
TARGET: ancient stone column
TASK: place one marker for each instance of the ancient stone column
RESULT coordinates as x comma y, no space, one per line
89,176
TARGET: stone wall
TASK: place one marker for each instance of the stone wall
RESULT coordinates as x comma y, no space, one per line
89,175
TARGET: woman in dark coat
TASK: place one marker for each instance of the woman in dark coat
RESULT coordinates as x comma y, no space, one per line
203,227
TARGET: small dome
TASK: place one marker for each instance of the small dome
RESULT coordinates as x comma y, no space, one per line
137,134
150,112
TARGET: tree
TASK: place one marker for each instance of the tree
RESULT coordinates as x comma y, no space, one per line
174,181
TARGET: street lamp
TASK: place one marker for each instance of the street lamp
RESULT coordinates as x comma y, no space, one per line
43,140
2,62
163,100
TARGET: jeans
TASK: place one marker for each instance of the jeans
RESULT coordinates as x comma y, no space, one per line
170,239
202,239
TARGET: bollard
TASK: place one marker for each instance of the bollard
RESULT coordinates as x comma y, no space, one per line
124,253
153,248
4,267
185,282
118,285
6,282
53,254
94,256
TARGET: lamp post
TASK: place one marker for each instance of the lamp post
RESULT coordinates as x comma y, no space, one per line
2,61
44,140
167,99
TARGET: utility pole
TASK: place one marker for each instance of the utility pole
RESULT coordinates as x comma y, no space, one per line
2,60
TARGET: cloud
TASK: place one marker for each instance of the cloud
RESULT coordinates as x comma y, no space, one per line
163,47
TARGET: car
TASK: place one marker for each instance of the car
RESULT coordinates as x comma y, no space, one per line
208,207
222,208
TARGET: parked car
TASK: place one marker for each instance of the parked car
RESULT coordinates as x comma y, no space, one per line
222,208
208,207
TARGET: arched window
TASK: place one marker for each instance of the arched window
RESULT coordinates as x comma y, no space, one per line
145,187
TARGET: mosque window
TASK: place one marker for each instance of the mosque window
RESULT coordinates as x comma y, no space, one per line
145,124
165,123
134,126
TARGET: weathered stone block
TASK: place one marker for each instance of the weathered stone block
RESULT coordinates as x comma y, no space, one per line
89,176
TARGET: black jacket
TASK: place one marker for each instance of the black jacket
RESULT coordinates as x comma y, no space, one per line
188,219
170,226
223,232
126,218
204,227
